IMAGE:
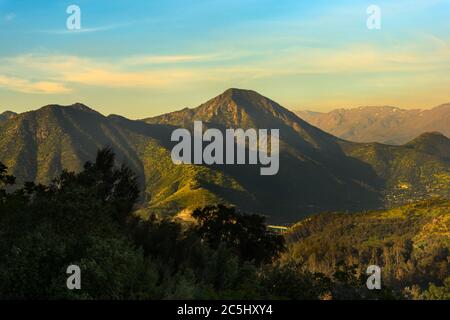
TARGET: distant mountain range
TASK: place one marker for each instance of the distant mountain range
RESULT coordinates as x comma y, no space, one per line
318,171
388,125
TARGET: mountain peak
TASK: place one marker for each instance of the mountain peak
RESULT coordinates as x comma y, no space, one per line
433,142
80,106
75,106
239,95
7,115
240,108
232,108
237,91
431,135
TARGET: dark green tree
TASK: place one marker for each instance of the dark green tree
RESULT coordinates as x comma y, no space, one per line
247,235
5,180
78,219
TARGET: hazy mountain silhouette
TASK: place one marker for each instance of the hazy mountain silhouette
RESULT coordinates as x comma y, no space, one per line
389,125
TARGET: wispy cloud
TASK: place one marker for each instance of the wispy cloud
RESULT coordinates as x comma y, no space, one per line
91,29
82,30
60,73
171,59
26,86
83,71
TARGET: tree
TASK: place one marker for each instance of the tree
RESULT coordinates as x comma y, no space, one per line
86,219
292,281
247,235
77,219
116,187
5,180
438,292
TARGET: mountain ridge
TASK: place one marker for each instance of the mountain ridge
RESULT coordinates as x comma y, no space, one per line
385,124
318,172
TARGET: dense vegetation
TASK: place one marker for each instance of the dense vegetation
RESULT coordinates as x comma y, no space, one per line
411,244
87,219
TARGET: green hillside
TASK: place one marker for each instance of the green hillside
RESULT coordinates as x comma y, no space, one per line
410,243
169,188
415,171
36,145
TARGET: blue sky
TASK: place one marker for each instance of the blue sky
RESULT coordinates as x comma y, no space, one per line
142,58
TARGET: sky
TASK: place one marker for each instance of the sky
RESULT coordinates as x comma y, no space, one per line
146,57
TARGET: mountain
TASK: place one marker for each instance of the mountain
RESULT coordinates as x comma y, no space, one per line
415,171
385,124
7,115
318,172
316,168
37,145
434,143
314,172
